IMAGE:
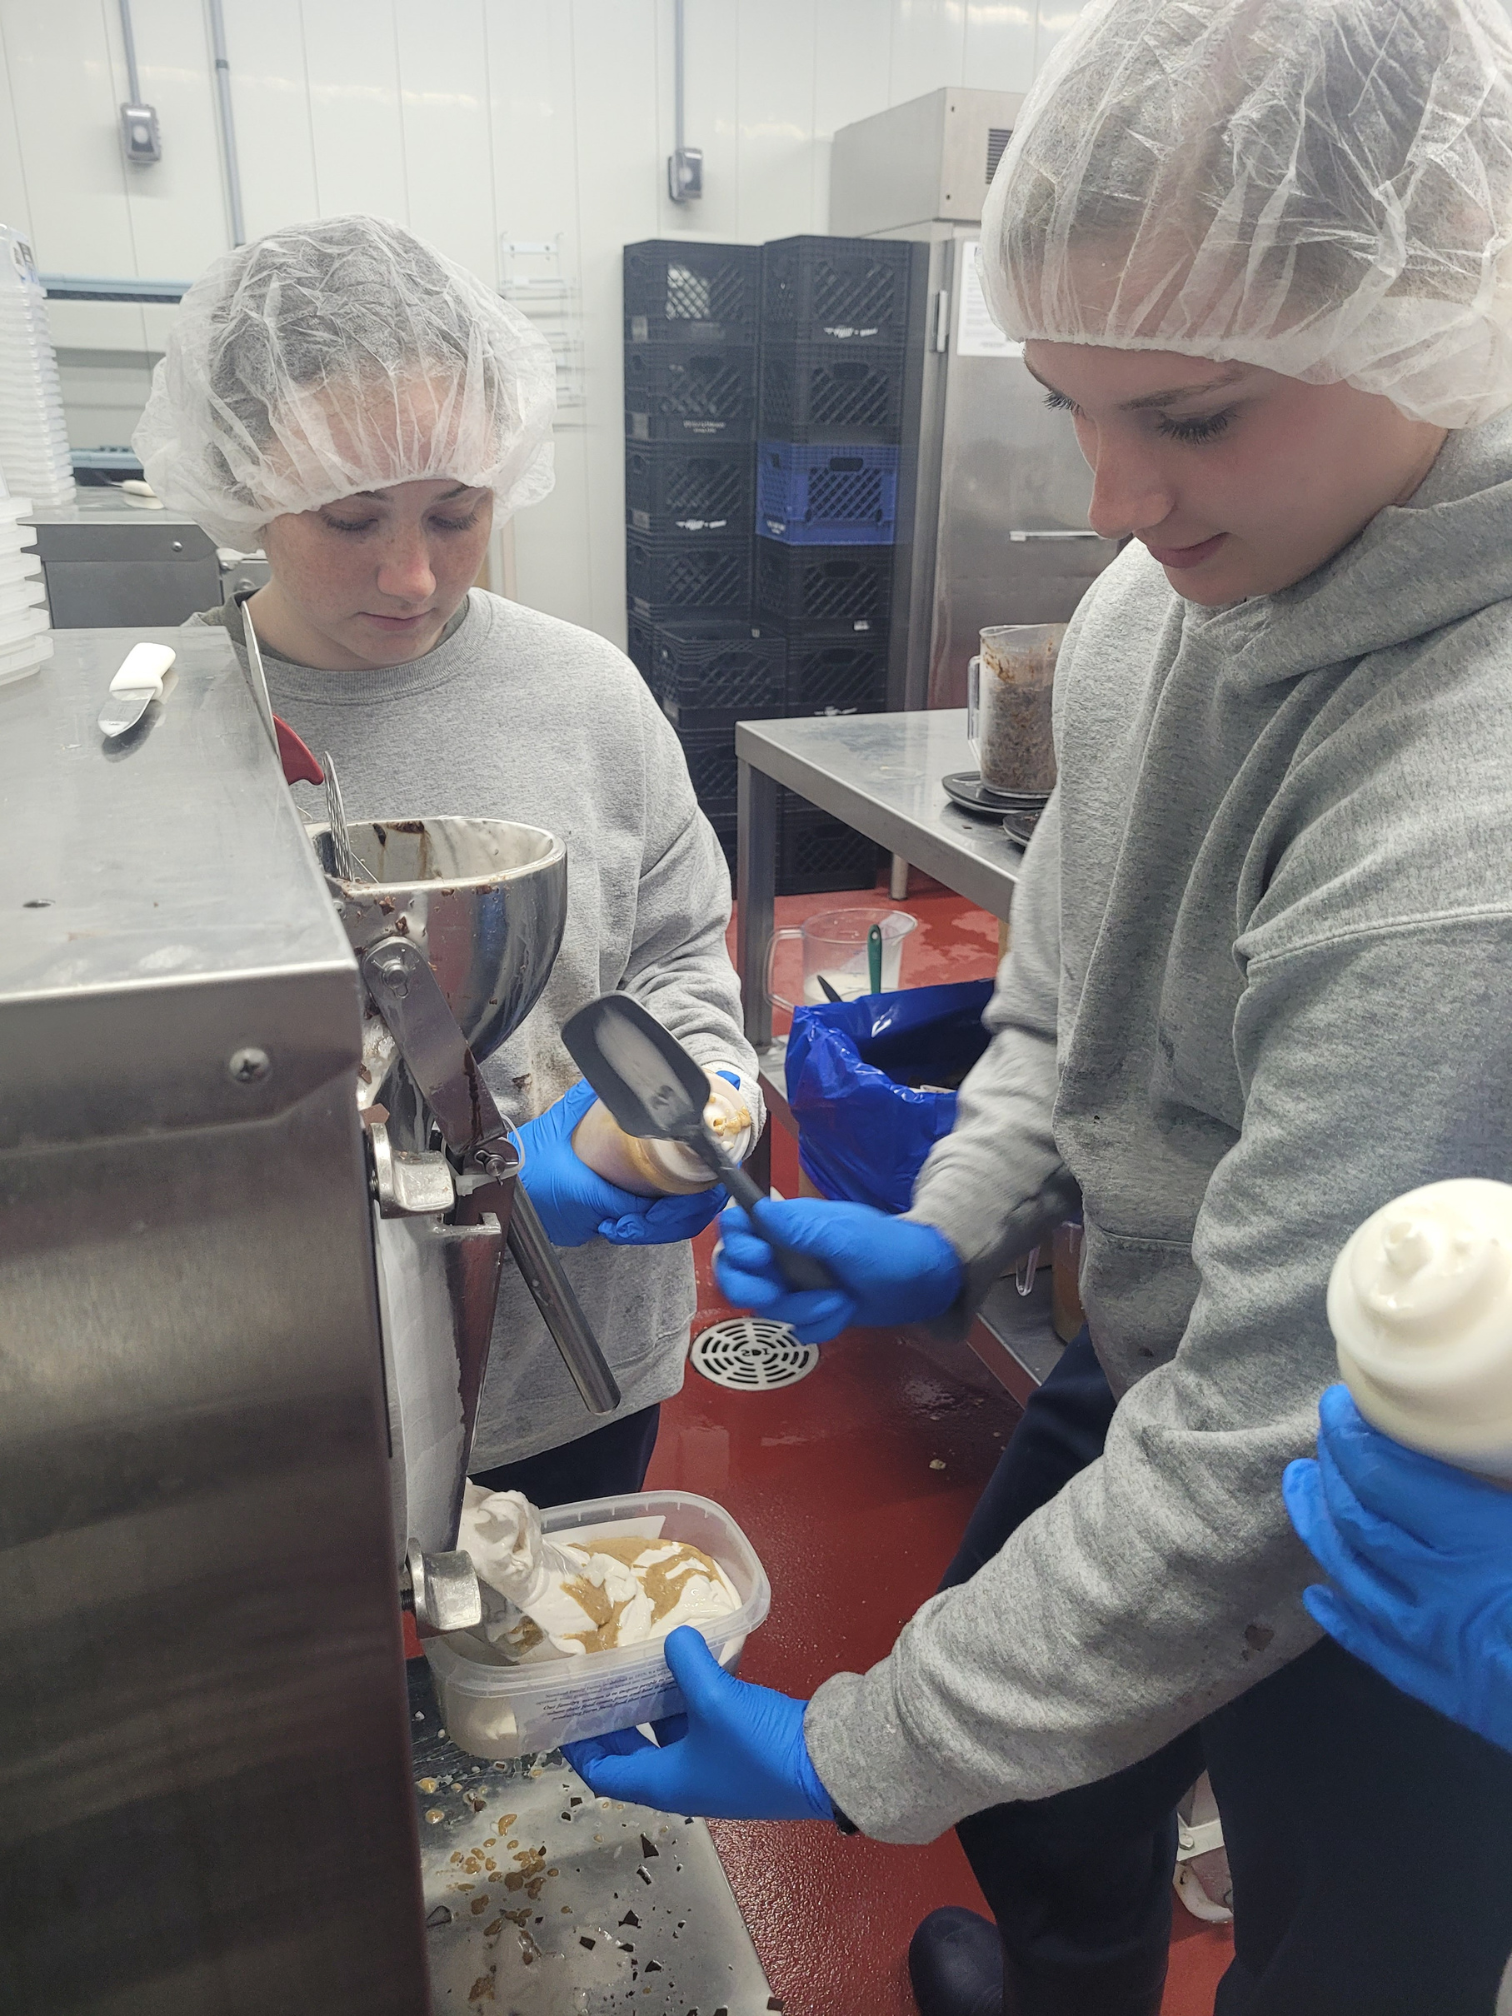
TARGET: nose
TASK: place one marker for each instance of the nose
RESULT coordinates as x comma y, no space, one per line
1130,492
405,573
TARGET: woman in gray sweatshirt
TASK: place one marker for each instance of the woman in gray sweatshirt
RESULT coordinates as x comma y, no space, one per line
345,397
1260,982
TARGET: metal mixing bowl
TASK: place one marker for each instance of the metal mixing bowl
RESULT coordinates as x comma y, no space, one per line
485,899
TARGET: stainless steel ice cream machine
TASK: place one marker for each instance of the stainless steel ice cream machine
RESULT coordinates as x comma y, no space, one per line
255,1199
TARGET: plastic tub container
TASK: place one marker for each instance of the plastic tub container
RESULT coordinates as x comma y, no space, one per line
495,1710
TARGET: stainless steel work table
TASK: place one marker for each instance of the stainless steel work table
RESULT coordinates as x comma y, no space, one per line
881,774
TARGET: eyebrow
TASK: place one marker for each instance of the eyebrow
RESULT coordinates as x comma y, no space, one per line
445,497
1155,400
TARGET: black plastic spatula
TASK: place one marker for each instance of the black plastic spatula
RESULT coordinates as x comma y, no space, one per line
654,1090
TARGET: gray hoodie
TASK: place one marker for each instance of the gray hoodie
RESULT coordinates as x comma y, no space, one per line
1260,983
515,715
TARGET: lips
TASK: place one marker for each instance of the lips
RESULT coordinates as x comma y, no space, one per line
398,623
1187,556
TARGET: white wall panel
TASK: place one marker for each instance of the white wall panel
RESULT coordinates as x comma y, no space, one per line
535,157
14,207
352,65
712,100
551,542
852,76
448,157
614,64
270,103
999,48
179,220
928,47
1055,17
776,71
65,96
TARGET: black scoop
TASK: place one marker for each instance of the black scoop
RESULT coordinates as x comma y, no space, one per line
655,1090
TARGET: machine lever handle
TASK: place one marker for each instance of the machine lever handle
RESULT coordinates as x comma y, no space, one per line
536,1258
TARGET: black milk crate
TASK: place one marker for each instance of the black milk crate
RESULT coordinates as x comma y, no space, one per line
822,584
674,576
837,670
821,495
682,392
639,646
820,393
677,291
712,766
709,674
851,291
814,851
817,852
697,487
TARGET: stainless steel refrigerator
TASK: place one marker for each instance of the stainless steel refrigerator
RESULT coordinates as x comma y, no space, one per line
993,492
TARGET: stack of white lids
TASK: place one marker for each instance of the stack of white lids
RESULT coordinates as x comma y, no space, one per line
25,638
34,457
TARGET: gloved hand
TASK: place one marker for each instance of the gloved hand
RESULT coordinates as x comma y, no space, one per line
663,1221
738,1753
1420,1558
890,1270
575,1203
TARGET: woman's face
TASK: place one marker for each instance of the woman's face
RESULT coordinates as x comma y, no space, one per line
1238,480
373,578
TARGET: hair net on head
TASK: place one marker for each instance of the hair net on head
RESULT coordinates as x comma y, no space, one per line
340,356
1322,187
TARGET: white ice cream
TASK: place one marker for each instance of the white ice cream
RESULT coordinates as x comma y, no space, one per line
549,1598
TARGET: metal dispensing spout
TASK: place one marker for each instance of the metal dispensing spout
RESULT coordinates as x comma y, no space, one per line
409,998
456,924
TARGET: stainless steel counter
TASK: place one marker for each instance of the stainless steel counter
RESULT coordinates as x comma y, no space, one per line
881,774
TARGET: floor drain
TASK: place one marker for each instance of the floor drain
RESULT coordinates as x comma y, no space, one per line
751,1354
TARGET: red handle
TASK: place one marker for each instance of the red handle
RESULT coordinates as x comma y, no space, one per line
299,766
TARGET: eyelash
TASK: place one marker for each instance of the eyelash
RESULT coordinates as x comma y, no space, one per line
441,524
1191,432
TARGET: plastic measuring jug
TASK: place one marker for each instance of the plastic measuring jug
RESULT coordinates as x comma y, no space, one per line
835,951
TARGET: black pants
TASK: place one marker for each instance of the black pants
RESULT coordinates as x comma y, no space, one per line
1369,1838
608,1462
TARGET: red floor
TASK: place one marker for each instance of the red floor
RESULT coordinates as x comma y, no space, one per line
876,1458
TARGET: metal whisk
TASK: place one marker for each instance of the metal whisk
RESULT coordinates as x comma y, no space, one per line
349,866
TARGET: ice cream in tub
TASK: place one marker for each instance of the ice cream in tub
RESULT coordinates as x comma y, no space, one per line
584,1655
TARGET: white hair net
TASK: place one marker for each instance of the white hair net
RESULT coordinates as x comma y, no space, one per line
341,356
1321,187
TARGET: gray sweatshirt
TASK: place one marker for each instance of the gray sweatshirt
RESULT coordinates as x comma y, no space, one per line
1260,983
516,715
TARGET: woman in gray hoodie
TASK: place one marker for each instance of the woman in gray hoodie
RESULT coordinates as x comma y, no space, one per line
345,397
1260,982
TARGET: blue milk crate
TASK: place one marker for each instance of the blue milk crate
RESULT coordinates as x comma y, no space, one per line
812,495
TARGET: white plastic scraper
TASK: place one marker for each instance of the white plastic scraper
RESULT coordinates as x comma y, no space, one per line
146,675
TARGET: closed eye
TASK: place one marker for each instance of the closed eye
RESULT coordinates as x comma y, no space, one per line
1059,403
1207,427
458,524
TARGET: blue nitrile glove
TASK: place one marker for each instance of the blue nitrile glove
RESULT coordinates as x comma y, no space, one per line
738,1753
575,1202
889,1270
1420,1558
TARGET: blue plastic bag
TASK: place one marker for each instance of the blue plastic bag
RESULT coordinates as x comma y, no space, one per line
862,1133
